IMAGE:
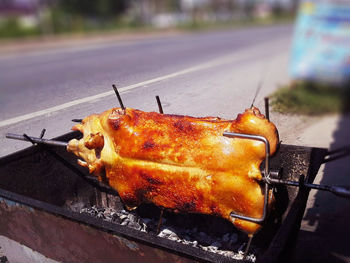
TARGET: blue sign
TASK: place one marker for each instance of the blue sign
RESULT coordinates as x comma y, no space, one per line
321,47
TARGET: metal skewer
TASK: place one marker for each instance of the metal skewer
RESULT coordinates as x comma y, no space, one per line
342,191
267,112
35,140
159,105
256,92
162,209
77,120
42,133
43,142
118,96
250,238
160,220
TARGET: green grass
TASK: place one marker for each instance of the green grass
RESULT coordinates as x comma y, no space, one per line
10,28
271,20
60,24
310,99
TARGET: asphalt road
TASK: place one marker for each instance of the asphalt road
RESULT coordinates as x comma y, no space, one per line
208,73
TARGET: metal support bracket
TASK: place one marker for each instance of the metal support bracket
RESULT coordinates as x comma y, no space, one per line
265,174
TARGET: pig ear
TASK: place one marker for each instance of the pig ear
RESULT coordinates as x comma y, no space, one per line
94,141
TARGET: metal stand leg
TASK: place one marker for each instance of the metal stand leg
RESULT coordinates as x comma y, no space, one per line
248,246
160,220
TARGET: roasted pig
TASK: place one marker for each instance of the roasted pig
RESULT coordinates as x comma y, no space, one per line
180,163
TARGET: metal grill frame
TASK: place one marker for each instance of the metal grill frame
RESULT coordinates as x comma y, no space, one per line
265,175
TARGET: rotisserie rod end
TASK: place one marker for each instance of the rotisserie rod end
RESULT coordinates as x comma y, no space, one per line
77,120
36,140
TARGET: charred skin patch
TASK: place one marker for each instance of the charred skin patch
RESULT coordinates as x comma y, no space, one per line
149,178
148,145
144,194
188,206
185,198
145,188
182,126
115,123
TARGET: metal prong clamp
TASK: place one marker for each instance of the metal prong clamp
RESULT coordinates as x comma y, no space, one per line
266,174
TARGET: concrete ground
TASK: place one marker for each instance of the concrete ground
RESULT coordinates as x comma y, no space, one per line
325,229
14,252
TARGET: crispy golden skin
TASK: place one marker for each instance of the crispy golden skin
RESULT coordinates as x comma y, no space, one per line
179,162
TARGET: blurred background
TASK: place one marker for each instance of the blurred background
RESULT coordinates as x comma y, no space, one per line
20,18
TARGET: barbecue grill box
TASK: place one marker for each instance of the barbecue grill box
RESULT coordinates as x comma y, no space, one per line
42,193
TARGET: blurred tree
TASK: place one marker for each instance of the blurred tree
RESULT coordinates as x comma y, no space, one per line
222,7
295,6
96,8
277,9
249,6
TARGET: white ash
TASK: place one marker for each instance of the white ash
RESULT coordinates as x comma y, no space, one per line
224,245
3,258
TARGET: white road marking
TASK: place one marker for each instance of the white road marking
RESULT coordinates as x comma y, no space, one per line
77,46
214,63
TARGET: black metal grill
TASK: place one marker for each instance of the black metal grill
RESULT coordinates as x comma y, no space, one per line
38,191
